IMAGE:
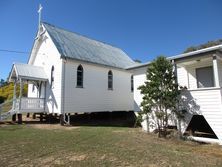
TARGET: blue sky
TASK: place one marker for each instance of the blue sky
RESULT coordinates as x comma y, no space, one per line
144,29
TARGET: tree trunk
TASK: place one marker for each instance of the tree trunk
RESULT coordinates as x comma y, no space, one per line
62,119
179,128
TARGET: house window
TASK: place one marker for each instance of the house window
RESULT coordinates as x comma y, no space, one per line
132,85
79,77
110,80
52,76
205,77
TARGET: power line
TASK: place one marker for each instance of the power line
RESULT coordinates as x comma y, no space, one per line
19,52
14,51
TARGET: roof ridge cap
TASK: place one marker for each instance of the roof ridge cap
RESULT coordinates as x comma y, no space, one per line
84,36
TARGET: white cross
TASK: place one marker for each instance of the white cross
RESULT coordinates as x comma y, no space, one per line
40,8
39,11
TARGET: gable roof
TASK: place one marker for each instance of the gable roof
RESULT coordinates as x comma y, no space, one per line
77,47
28,72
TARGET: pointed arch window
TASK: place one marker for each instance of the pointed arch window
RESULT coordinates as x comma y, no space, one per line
132,85
52,76
79,82
110,80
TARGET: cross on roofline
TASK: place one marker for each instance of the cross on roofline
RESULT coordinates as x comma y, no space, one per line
40,12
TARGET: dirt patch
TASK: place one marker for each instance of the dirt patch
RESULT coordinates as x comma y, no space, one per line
118,131
47,160
52,127
77,157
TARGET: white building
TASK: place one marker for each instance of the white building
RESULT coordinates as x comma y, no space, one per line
69,73
201,73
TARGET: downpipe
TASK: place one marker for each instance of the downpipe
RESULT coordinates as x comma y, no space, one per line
66,117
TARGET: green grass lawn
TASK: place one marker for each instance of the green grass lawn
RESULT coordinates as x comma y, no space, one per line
52,145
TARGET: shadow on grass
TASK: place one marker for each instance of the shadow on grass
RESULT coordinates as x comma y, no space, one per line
112,119
102,119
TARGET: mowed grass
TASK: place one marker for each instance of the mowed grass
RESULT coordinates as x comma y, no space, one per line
52,145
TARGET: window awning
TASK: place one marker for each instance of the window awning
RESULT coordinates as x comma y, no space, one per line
27,72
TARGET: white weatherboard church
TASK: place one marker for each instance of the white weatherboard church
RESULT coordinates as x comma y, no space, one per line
69,73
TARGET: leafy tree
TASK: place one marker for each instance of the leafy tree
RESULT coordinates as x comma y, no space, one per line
202,46
160,93
2,99
6,91
137,61
2,82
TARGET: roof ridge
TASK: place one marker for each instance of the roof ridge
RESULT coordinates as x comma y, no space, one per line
84,36
76,46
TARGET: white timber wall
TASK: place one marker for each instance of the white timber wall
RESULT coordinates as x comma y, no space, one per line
204,101
32,92
182,77
139,77
46,57
187,74
95,96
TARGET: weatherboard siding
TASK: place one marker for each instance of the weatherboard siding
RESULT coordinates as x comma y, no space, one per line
48,56
208,103
95,96
187,75
205,101
139,77
182,77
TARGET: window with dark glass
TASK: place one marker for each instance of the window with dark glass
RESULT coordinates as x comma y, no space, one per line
52,76
205,77
79,76
110,80
132,85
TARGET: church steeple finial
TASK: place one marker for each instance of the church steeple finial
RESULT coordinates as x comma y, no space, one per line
40,12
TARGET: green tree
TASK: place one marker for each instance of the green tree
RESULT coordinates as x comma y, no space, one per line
160,93
202,46
137,61
6,91
2,82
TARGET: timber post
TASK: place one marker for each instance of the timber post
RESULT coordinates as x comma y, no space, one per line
61,119
14,118
41,117
28,114
19,118
33,116
20,94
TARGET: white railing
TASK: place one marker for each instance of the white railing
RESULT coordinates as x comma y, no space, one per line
5,109
30,104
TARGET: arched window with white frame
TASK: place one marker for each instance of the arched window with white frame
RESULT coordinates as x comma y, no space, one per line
52,76
132,84
79,82
110,80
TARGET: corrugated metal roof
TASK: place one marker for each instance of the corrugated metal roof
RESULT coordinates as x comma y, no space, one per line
30,72
75,46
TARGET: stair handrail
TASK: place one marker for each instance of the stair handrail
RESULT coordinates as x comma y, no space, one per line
4,103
